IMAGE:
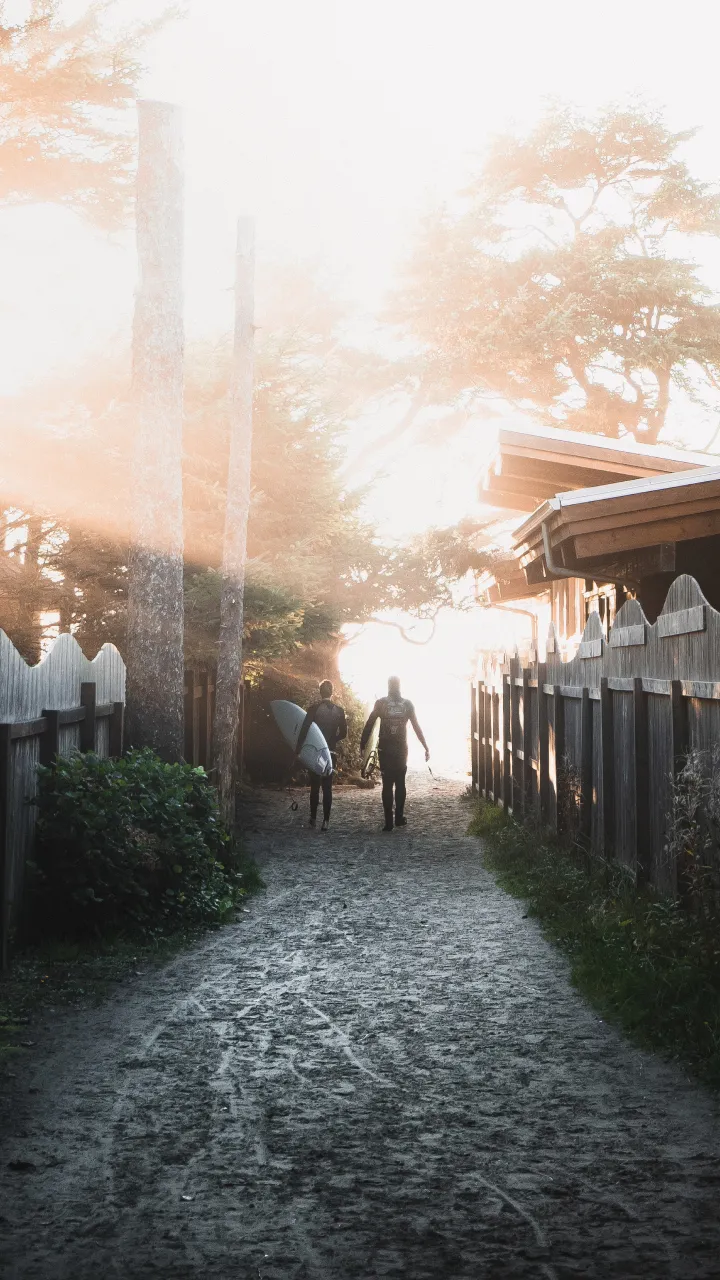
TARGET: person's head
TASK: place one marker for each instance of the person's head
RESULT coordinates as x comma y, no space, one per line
394,687
326,689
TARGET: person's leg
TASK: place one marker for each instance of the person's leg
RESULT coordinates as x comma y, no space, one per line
314,796
388,780
327,796
400,795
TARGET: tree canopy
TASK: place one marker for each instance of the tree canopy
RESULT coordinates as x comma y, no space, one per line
315,562
559,281
65,87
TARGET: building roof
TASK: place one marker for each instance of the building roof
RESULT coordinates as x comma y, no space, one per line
529,465
600,523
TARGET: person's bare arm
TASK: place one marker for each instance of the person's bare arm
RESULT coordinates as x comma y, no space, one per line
368,727
343,726
419,734
304,730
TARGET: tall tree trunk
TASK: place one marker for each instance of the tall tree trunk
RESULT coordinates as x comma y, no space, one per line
237,507
28,629
155,596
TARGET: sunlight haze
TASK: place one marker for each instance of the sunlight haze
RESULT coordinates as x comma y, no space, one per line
339,126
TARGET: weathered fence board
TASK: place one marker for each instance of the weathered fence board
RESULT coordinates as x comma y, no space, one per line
199,716
607,730
64,703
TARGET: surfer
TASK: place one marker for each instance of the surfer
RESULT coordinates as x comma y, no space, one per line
330,720
394,713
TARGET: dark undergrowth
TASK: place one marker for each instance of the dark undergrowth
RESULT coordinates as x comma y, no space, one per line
45,977
131,865
647,964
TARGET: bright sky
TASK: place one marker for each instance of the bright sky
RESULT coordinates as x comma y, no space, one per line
338,123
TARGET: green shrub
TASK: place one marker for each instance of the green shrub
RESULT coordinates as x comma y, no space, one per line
642,959
129,843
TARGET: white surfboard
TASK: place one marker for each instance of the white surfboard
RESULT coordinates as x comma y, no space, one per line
315,753
370,755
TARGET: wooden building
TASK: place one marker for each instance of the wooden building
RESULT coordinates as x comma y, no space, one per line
632,538
564,480
527,466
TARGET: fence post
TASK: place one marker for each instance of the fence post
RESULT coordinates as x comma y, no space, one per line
487,755
514,737
607,734
679,727
189,716
642,783
88,700
50,739
117,730
542,744
680,744
5,782
586,766
495,743
474,743
556,753
482,731
211,687
203,745
241,741
527,744
505,744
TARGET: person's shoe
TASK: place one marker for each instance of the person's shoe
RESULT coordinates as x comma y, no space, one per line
401,822
325,824
388,826
312,823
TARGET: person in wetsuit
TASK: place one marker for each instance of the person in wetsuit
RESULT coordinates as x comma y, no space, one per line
394,713
330,720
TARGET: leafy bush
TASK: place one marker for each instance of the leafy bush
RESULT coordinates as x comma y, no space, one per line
692,842
127,843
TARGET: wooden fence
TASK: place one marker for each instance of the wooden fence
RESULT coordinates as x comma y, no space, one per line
64,703
199,713
199,716
597,740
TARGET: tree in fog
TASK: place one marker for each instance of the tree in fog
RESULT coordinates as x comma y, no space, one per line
65,89
560,281
66,138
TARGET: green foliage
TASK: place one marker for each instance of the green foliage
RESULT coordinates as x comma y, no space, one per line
692,845
641,959
130,843
556,282
314,562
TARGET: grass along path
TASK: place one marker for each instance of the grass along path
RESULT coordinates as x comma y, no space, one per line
643,962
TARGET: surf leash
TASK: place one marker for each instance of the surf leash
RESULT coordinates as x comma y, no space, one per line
293,802
370,767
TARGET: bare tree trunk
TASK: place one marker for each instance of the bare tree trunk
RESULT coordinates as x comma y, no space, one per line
155,596
237,507
28,630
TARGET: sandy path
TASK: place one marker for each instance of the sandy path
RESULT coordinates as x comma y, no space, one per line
380,1071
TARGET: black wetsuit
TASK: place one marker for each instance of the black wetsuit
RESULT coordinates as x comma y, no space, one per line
394,715
330,720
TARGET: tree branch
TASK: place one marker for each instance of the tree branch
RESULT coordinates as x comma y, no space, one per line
386,622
